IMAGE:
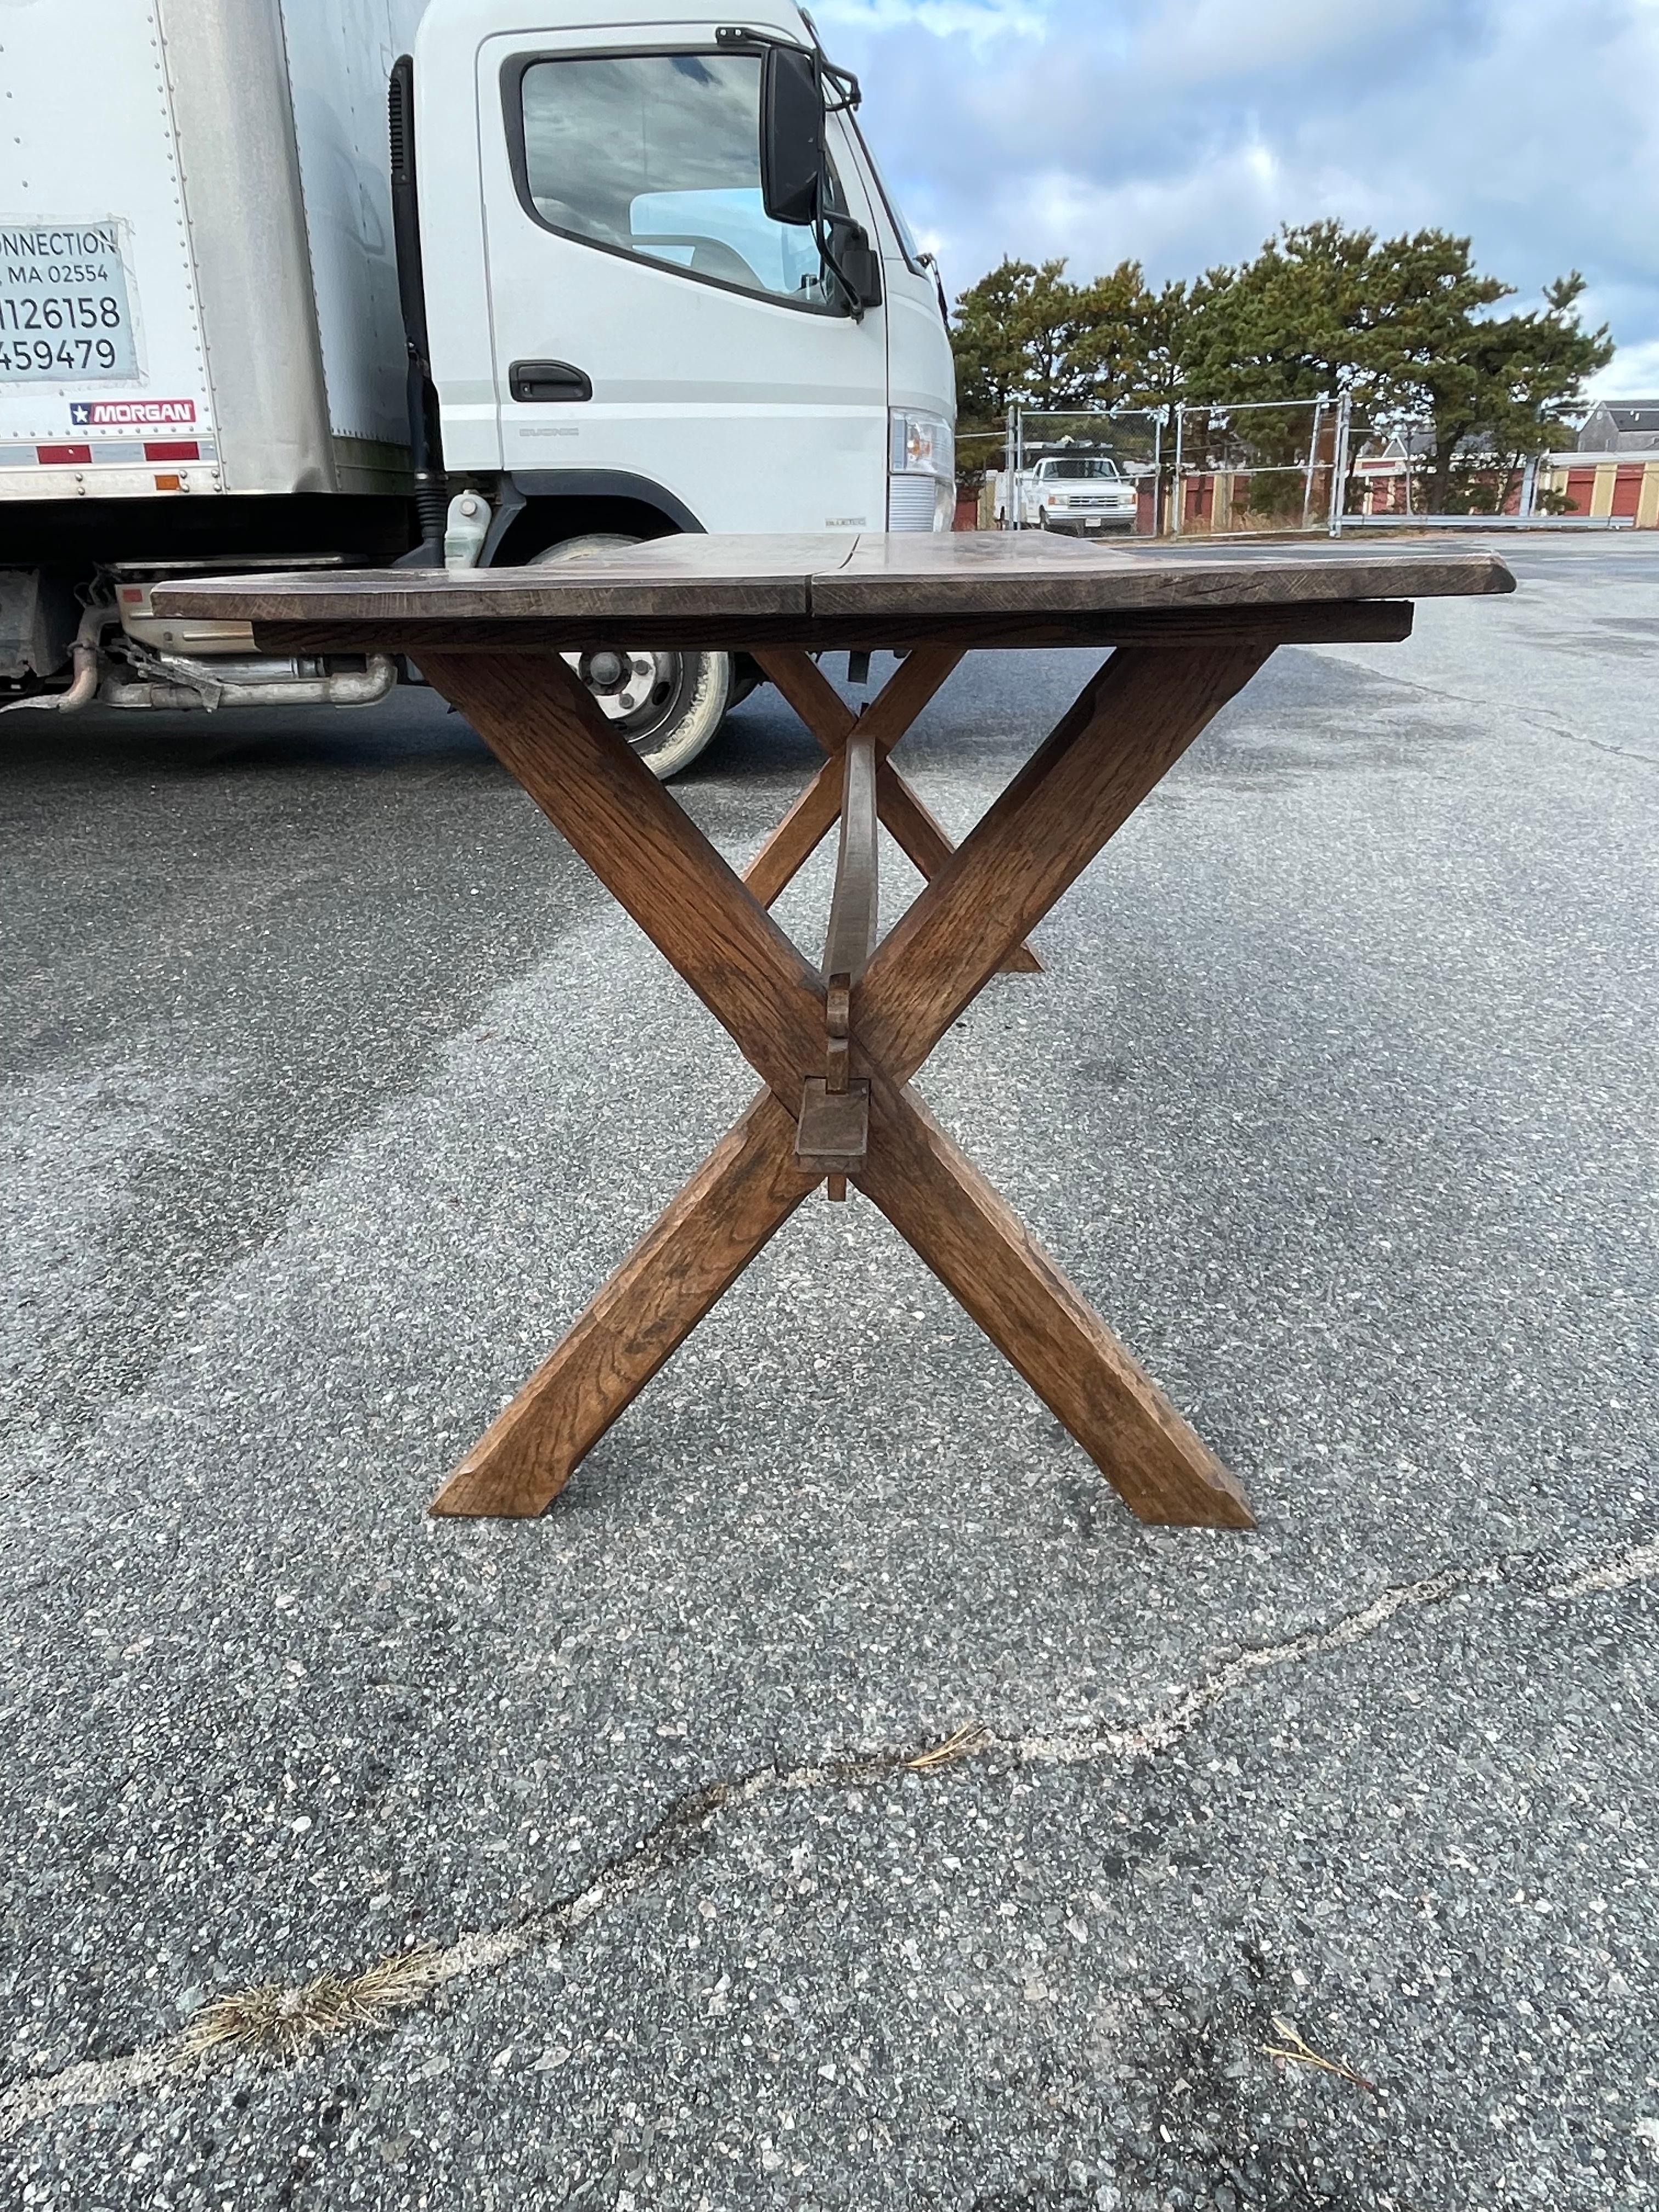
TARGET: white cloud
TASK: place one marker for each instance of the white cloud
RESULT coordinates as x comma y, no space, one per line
1633,374
979,20
1180,132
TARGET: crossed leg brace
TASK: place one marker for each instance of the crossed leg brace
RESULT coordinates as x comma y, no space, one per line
1129,724
917,835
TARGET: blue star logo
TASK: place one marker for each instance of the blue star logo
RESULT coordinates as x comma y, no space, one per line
80,412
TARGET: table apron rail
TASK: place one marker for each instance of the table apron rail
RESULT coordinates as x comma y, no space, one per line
1327,621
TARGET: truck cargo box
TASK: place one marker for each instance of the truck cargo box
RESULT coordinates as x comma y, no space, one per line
197,293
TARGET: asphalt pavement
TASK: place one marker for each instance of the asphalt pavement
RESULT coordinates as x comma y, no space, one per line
1309,1868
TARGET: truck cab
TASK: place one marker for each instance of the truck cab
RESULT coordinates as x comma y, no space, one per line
622,342
613,315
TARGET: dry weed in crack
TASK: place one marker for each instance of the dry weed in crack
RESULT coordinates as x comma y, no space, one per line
278,2021
1298,2053
185,2057
962,1745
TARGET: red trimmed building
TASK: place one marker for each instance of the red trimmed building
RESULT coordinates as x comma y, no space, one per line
1614,468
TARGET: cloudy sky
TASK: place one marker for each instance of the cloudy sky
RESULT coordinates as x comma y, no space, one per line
1180,132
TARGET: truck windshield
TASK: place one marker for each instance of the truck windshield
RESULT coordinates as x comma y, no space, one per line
1079,464
658,155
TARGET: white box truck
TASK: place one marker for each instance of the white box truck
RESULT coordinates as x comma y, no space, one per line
620,270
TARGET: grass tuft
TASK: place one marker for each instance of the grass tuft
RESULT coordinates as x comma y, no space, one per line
279,2020
963,1745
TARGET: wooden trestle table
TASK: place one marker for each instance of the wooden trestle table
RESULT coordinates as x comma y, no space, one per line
835,1044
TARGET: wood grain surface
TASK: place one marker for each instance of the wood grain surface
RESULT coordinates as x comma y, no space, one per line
855,899
975,1242
541,723
743,1193
1126,728
831,721
1332,622
762,586
924,843
584,776
1000,572
1191,624
920,838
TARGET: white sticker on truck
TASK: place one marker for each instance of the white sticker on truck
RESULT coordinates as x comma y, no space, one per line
158,413
65,317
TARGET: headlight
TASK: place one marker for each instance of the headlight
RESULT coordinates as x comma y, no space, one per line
922,446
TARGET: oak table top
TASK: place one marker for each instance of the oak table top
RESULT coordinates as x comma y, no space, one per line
819,591
836,1042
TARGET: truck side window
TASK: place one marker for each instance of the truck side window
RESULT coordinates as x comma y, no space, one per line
658,155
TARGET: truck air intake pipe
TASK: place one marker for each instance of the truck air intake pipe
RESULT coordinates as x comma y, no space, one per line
425,444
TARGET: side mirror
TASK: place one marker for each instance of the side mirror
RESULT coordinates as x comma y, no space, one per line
791,135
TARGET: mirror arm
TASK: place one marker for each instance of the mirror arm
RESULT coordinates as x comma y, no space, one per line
824,227
823,237
844,80
846,84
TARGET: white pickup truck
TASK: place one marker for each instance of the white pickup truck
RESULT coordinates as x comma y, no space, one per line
1080,494
630,269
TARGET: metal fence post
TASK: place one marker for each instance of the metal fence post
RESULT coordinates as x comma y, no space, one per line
1175,500
1313,462
1339,463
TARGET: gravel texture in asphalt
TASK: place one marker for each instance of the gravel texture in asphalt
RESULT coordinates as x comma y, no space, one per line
335,1086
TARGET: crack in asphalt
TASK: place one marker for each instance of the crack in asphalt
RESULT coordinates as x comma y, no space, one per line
1534,717
174,2062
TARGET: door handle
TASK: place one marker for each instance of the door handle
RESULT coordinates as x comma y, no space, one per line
548,380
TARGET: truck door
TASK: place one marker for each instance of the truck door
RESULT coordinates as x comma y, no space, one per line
647,319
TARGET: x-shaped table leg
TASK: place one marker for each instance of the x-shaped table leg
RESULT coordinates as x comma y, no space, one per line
1127,727
916,832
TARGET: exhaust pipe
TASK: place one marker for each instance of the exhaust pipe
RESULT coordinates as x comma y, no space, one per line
84,658
190,685
251,682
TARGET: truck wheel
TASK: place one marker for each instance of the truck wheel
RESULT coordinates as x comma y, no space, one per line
667,705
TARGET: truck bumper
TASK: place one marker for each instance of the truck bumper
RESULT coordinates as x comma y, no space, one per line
1092,525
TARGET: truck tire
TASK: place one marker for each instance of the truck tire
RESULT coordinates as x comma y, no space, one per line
667,705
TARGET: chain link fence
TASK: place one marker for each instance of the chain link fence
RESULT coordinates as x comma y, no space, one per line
1183,471
1256,470
1296,467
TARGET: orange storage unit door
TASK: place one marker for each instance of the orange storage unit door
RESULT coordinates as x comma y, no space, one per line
1627,490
